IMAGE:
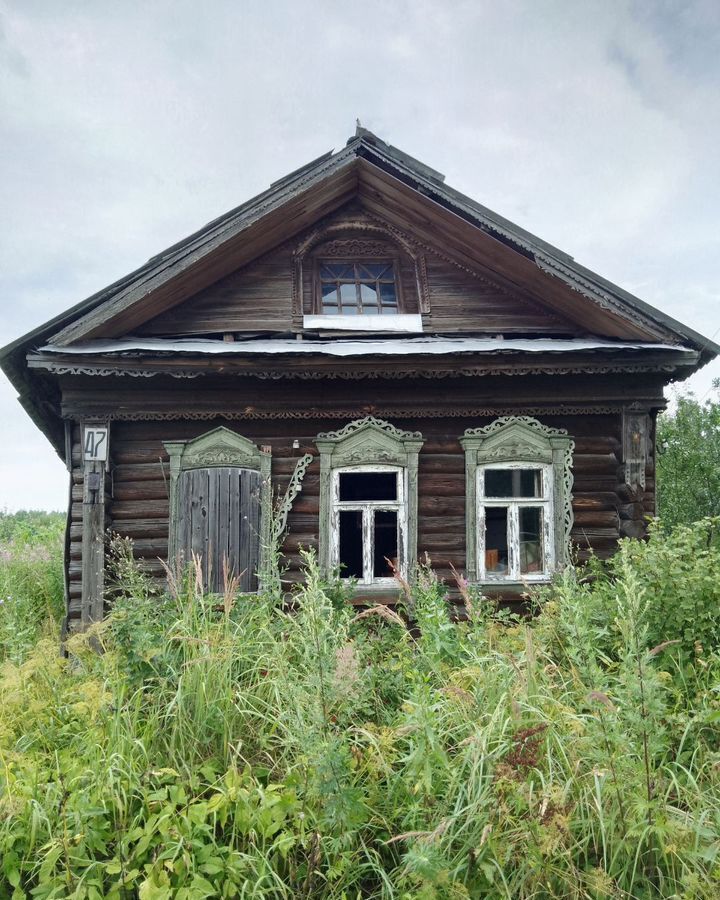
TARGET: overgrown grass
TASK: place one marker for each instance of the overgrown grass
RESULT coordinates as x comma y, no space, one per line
224,747
31,585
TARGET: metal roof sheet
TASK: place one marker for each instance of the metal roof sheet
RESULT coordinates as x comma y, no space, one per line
419,346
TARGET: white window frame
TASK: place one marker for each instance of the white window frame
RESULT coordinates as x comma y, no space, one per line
513,505
525,443
368,508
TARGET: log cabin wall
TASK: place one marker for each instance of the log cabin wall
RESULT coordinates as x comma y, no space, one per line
278,413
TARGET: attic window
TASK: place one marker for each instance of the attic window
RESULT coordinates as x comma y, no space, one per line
359,287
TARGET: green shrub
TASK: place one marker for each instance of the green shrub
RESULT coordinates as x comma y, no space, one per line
225,747
678,572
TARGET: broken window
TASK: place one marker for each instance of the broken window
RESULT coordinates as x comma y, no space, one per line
368,518
519,500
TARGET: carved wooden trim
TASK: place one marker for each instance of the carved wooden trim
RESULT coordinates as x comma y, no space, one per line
636,446
423,284
422,248
327,231
445,412
219,447
369,441
357,235
520,439
549,368
353,428
356,248
603,299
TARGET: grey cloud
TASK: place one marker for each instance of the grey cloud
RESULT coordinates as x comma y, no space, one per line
123,127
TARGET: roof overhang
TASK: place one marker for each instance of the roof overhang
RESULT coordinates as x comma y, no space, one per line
389,357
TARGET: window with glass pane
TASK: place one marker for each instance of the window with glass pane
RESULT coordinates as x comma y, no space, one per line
368,522
515,520
366,288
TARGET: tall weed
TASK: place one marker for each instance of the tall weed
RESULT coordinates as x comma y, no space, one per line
225,746
31,581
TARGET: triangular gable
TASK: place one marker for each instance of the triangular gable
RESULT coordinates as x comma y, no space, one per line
260,296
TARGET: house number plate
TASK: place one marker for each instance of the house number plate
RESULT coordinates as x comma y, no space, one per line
95,443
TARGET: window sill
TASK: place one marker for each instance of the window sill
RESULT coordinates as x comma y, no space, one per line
508,588
403,322
382,584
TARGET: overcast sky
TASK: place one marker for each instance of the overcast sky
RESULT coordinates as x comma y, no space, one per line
126,125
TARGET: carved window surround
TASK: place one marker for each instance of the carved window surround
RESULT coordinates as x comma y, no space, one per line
509,442
367,445
357,237
218,448
636,430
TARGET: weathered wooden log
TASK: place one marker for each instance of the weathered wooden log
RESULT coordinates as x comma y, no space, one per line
633,528
141,490
596,519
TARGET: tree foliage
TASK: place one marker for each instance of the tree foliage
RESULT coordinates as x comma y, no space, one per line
688,460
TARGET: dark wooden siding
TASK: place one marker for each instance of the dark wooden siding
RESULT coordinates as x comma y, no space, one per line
462,302
604,509
258,297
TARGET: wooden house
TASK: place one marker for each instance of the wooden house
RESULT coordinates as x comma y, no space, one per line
436,379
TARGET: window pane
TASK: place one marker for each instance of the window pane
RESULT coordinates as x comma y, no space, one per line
365,288
351,543
337,271
348,293
513,482
329,295
368,295
386,543
368,486
496,541
530,539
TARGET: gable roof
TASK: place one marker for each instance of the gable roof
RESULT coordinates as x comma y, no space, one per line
336,172
375,168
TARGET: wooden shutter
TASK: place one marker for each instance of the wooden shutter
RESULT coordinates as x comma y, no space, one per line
218,520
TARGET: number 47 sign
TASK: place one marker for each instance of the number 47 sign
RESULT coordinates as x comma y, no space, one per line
95,443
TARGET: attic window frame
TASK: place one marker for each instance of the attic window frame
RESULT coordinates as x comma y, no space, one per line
354,261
